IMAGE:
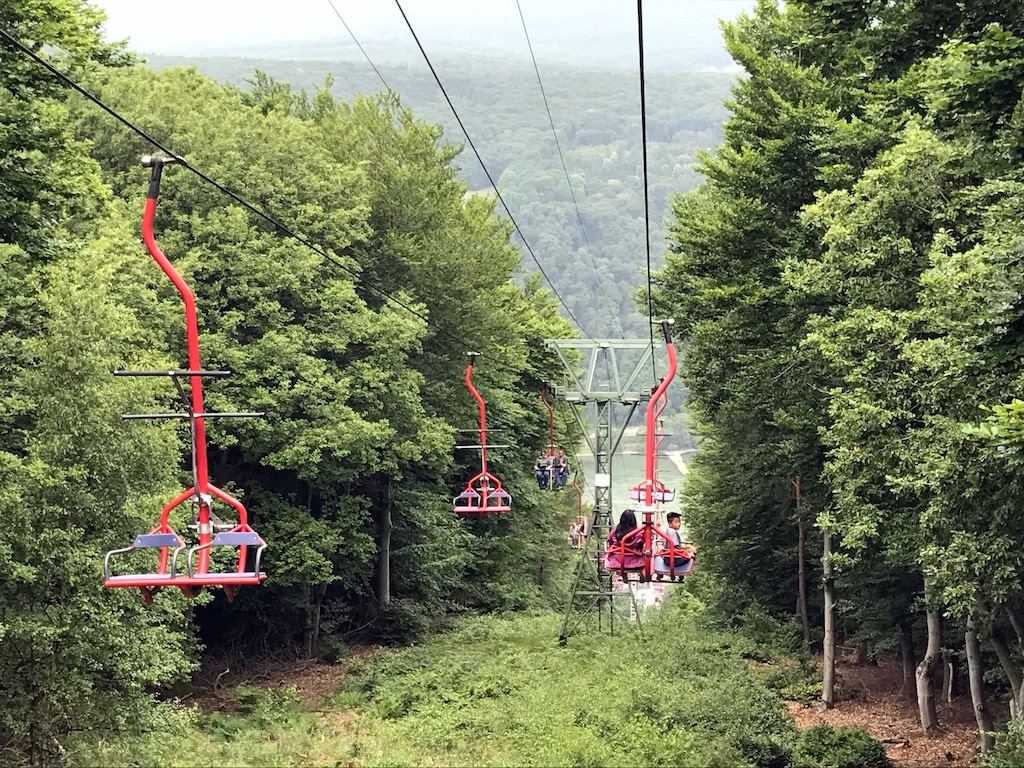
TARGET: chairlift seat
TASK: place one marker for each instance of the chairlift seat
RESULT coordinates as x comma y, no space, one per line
661,566
483,495
659,493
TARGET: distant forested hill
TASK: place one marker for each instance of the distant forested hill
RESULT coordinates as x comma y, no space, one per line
597,116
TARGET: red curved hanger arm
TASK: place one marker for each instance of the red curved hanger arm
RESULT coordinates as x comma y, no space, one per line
483,411
658,393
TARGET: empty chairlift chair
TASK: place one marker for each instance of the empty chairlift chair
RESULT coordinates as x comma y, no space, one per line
483,493
177,564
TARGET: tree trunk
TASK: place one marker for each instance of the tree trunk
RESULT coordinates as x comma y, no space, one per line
828,654
384,559
1012,671
974,670
307,631
801,598
314,636
948,677
1015,623
926,669
908,688
860,653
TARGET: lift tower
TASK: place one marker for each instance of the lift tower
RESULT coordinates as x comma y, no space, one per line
603,377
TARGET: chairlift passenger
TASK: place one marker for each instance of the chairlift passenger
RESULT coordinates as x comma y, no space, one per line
679,562
541,472
624,548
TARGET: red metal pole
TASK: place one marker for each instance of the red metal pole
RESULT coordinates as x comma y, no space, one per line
483,412
192,336
661,436
649,470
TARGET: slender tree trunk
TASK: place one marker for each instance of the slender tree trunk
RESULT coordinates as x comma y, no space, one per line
307,632
828,654
926,669
1015,623
801,597
1019,632
1012,671
908,690
948,677
975,671
314,639
384,561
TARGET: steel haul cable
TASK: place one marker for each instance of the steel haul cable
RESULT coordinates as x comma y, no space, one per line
565,170
358,45
279,226
647,201
487,173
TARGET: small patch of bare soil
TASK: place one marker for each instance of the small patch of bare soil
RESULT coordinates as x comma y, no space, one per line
314,680
878,707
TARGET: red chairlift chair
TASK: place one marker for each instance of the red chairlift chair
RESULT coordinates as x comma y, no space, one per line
483,493
656,543
193,573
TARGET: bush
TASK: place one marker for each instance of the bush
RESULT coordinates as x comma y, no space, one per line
774,637
1009,748
805,693
404,622
845,747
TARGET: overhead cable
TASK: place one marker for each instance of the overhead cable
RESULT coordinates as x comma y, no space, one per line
647,202
360,47
279,227
487,173
572,193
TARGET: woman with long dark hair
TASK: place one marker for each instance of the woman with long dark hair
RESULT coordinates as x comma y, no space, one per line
629,557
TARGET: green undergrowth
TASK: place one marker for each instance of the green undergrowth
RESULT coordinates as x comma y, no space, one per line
499,691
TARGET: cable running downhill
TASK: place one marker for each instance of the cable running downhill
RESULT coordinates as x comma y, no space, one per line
487,173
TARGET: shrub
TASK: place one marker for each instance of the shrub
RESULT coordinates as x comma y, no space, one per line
805,693
403,622
845,747
1009,748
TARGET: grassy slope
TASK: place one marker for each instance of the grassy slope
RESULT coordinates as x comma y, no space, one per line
500,692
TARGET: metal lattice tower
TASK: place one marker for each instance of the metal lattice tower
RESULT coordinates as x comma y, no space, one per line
604,393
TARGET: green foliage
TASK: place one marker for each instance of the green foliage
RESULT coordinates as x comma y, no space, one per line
598,127
498,691
842,747
848,281
73,479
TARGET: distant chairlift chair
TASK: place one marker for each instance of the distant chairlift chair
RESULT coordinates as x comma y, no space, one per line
483,493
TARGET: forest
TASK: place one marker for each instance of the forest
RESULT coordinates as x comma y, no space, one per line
843,269
590,236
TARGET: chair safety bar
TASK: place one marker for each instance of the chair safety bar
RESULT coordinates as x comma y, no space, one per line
647,530
234,538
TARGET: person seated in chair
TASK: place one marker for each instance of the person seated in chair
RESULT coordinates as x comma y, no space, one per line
634,544
561,470
683,553
541,472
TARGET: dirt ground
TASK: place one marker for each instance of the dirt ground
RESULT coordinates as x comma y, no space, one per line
888,716
314,680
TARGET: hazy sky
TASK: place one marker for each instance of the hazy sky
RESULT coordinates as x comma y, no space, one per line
230,26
